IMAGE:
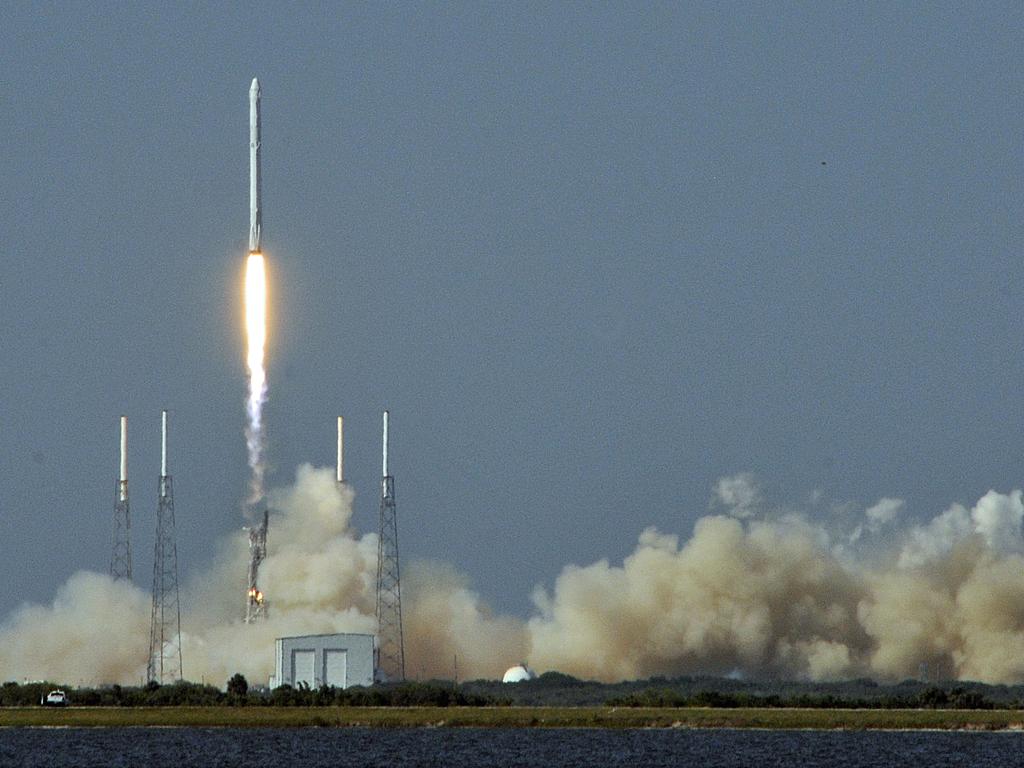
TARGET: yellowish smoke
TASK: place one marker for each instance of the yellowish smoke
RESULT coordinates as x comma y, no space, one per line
770,597
256,335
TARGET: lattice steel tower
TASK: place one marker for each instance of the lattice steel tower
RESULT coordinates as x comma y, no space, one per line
255,602
121,556
390,648
164,663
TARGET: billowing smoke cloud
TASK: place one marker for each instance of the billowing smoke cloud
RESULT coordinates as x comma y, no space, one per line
761,597
996,518
447,625
739,495
751,592
778,597
92,632
319,577
882,513
877,517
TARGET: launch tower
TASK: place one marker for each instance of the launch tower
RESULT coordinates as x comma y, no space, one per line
121,556
390,649
164,664
255,605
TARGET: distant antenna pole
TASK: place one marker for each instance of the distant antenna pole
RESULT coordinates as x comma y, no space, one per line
255,604
164,664
121,557
391,649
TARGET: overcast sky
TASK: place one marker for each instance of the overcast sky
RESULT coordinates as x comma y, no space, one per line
592,257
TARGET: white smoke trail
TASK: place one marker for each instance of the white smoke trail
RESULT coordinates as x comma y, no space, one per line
256,337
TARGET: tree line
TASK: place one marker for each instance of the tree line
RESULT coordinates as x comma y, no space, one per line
238,693
932,697
550,689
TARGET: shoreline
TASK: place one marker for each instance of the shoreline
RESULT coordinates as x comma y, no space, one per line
515,717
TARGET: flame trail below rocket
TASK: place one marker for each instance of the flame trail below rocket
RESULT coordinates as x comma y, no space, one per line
256,336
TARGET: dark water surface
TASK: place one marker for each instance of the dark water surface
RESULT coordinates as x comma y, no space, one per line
473,747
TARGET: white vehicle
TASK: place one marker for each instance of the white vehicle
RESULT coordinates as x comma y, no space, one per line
55,699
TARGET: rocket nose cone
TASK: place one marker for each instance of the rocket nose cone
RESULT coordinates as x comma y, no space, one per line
255,87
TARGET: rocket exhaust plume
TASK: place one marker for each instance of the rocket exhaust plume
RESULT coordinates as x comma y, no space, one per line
255,307
256,334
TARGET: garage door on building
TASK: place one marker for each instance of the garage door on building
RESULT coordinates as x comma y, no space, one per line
336,667
303,664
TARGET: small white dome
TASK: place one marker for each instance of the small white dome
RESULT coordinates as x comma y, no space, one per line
517,674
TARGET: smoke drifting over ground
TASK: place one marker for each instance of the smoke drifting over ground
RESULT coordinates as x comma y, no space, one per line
751,592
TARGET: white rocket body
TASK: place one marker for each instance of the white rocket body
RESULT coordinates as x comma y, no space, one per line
255,206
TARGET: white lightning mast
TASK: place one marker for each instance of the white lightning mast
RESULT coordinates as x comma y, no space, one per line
121,556
341,449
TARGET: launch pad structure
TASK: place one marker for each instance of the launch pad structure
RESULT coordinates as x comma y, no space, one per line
255,604
391,647
121,554
164,660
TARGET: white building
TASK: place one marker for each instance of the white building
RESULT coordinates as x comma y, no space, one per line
340,660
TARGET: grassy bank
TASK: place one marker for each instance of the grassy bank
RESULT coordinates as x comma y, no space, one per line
512,717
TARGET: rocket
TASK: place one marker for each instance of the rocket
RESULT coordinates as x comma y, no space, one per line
255,207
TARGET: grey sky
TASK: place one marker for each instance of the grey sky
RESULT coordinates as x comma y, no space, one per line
593,258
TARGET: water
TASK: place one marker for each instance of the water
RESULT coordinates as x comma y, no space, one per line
515,748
